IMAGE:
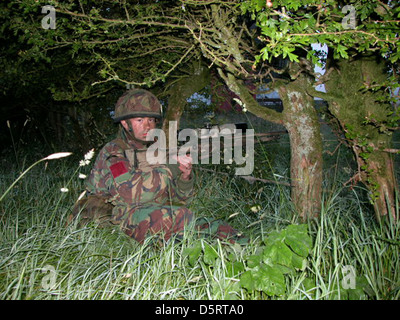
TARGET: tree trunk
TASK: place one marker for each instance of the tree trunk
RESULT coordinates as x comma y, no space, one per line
300,119
367,125
306,164
384,200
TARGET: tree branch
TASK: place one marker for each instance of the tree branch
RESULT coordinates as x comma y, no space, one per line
248,100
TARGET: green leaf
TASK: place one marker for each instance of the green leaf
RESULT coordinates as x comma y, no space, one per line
357,294
248,281
342,50
293,57
264,278
265,54
278,253
234,268
193,253
298,240
210,255
299,262
272,281
288,248
275,236
288,51
254,261
260,4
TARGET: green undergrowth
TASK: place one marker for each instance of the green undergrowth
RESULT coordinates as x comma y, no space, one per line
344,254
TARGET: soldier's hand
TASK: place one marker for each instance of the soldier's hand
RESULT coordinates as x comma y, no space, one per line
185,165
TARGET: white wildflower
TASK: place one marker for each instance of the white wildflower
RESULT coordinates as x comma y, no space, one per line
83,163
64,190
89,155
58,155
86,158
255,208
82,176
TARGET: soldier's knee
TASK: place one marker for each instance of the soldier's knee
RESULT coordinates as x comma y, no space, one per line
163,221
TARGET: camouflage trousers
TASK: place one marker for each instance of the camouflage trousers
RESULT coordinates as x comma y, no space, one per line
166,221
144,220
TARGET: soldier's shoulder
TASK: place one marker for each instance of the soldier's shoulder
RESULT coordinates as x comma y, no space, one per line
113,148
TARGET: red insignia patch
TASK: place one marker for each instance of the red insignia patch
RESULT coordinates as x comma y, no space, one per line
118,168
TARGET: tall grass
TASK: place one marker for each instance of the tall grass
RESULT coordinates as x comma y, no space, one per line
42,258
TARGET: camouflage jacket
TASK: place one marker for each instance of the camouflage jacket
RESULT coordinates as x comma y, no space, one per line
122,175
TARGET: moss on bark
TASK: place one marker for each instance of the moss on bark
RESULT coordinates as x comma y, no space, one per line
366,120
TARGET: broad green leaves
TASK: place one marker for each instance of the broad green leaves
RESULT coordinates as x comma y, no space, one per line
210,254
193,253
264,278
284,252
298,240
280,260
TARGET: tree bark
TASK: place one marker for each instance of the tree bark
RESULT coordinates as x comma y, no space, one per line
366,123
306,164
298,116
300,119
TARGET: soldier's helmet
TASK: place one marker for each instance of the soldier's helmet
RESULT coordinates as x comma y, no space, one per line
137,103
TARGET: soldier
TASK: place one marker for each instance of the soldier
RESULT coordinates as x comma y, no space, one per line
143,199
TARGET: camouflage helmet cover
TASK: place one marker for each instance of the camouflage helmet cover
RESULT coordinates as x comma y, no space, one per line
137,103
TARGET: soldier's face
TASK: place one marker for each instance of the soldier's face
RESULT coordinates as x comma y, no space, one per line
140,126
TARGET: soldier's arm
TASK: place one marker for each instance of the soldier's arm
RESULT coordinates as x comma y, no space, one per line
183,188
112,173
100,175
